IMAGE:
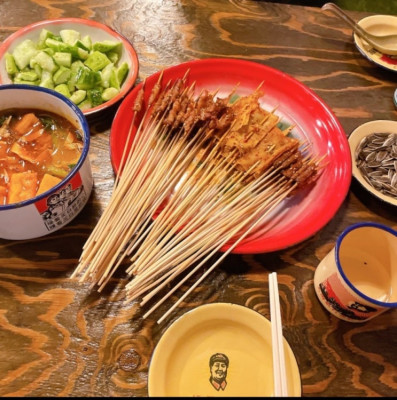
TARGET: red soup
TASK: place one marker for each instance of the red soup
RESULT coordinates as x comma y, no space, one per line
38,149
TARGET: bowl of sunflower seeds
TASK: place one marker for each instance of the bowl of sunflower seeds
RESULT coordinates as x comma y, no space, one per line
373,147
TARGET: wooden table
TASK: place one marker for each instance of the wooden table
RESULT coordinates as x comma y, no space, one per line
59,338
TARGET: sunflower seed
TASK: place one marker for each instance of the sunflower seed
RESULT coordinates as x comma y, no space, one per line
375,164
370,157
387,163
374,146
378,141
381,155
389,141
383,178
393,180
376,159
383,170
375,173
363,141
368,180
365,151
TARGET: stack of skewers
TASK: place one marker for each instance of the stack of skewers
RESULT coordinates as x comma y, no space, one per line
199,174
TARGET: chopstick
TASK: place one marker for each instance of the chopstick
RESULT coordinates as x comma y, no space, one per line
279,371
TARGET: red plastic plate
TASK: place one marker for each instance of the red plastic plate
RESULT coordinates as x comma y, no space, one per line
303,215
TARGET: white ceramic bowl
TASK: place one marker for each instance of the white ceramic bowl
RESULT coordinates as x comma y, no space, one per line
37,217
378,126
377,25
97,32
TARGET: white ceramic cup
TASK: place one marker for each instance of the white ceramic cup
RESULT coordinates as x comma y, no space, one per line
56,207
357,280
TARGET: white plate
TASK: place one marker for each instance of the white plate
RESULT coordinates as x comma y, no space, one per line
378,25
180,365
379,126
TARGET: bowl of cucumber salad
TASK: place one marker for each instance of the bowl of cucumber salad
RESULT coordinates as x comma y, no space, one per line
90,63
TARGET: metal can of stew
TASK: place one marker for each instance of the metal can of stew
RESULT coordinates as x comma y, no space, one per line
56,207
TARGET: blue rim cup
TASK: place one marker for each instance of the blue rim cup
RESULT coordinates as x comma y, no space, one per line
357,280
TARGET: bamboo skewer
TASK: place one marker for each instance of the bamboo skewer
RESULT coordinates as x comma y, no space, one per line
103,224
194,223
194,228
160,194
179,213
209,270
144,301
147,184
107,240
216,244
119,196
137,142
206,202
211,224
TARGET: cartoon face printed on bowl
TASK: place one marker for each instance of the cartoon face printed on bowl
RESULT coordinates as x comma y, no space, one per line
219,364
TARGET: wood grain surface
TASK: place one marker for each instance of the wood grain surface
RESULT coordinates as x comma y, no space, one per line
60,338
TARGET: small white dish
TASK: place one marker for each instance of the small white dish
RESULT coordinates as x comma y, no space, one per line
238,341
377,25
378,126
97,32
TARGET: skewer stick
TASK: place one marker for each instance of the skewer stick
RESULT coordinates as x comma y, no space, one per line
218,206
109,214
209,208
176,304
159,195
201,221
208,241
93,246
136,109
174,151
102,226
181,209
237,214
231,198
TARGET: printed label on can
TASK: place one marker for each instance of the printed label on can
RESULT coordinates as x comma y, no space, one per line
60,207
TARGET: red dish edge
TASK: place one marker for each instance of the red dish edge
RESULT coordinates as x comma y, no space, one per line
339,166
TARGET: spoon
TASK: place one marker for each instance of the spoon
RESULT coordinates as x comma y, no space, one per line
386,44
